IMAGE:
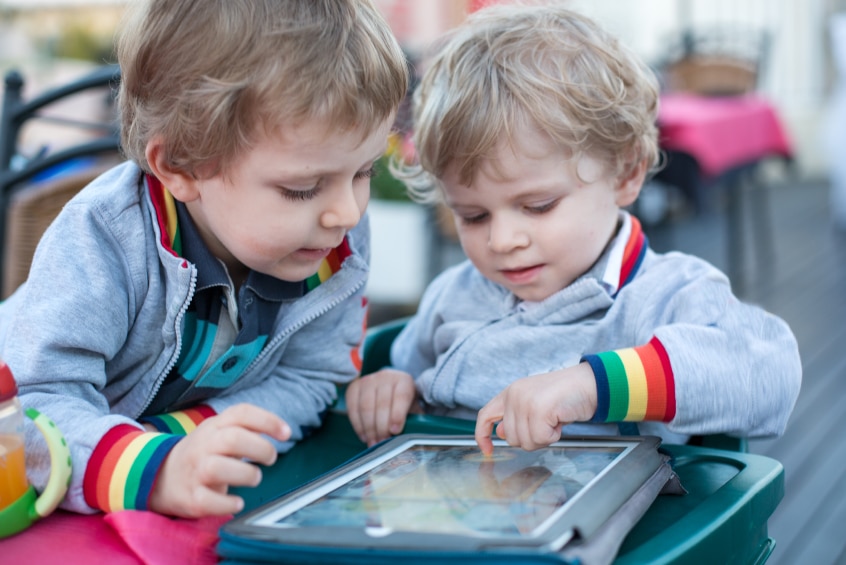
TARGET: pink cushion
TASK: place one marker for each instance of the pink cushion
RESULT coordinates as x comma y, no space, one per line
126,537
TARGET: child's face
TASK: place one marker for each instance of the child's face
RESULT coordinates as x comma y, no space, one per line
288,200
530,224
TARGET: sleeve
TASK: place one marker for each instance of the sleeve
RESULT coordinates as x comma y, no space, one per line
124,465
634,384
180,422
708,363
414,349
123,468
61,330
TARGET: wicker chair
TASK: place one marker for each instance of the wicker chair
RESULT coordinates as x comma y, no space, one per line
30,212
712,75
33,190
722,61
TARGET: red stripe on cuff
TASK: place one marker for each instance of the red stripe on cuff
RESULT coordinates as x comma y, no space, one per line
669,379
95,486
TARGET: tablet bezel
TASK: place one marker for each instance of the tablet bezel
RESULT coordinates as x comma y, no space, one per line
586,511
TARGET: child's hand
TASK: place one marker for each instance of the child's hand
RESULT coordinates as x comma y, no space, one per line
379,403
198,471
532,410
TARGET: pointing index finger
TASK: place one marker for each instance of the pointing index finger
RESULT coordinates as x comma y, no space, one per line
488,416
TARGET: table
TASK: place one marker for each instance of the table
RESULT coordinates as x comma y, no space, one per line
721,141
722,133
722,519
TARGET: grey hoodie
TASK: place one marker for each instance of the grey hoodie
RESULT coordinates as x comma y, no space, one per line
97,327
728,367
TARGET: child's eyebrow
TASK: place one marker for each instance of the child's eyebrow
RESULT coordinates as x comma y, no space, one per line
542,192
312,174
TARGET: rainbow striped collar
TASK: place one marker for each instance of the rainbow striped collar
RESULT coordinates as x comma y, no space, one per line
625,255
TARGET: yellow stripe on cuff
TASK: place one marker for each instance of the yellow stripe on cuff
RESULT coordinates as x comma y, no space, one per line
184,420
638,391
117,483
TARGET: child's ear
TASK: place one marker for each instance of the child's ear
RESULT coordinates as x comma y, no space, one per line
630,183
182,185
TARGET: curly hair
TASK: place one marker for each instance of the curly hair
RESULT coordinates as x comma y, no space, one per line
542,66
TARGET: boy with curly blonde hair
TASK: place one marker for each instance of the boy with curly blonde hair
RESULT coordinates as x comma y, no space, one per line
537,129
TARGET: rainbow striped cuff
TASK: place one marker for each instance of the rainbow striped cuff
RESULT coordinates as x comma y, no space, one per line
634,384
181,422
123,468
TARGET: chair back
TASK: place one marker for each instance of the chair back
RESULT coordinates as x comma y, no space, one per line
34,187
722,61
30,212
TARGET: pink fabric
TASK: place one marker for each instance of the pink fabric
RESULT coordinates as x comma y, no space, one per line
722,132
128,537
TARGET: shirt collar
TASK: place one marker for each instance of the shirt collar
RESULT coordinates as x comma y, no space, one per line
624,255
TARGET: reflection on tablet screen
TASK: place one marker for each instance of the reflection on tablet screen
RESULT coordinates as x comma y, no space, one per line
456,490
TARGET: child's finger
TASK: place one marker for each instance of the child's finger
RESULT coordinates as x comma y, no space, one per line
488,416
364,417
212,503
354,413
241,443
403,398
256,419
224,472
382,415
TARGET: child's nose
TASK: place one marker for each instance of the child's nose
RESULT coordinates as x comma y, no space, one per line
506,235
343,211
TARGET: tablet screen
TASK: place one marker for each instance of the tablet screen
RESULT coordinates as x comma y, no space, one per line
451,488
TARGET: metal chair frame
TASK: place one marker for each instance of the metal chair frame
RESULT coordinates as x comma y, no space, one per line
16,112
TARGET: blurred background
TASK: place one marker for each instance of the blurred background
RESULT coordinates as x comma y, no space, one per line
753,121
788,46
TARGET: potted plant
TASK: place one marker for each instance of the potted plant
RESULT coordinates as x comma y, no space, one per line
399,234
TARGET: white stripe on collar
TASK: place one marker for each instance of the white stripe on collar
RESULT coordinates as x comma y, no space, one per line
611,277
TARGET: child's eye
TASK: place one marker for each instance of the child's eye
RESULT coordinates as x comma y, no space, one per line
474,219
543,208
299,195
367,174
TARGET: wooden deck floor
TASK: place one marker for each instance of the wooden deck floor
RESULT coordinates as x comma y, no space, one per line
805,285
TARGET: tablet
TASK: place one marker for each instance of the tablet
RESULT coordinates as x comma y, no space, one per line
419,492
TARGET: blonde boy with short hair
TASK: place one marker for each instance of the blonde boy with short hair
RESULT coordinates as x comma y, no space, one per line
192,311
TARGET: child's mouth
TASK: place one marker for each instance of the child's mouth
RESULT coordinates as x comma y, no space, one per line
523,275
314,254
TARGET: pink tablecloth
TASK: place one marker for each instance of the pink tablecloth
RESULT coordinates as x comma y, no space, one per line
120,538
722,132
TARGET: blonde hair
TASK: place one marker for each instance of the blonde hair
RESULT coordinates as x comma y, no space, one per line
541,66
208,76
